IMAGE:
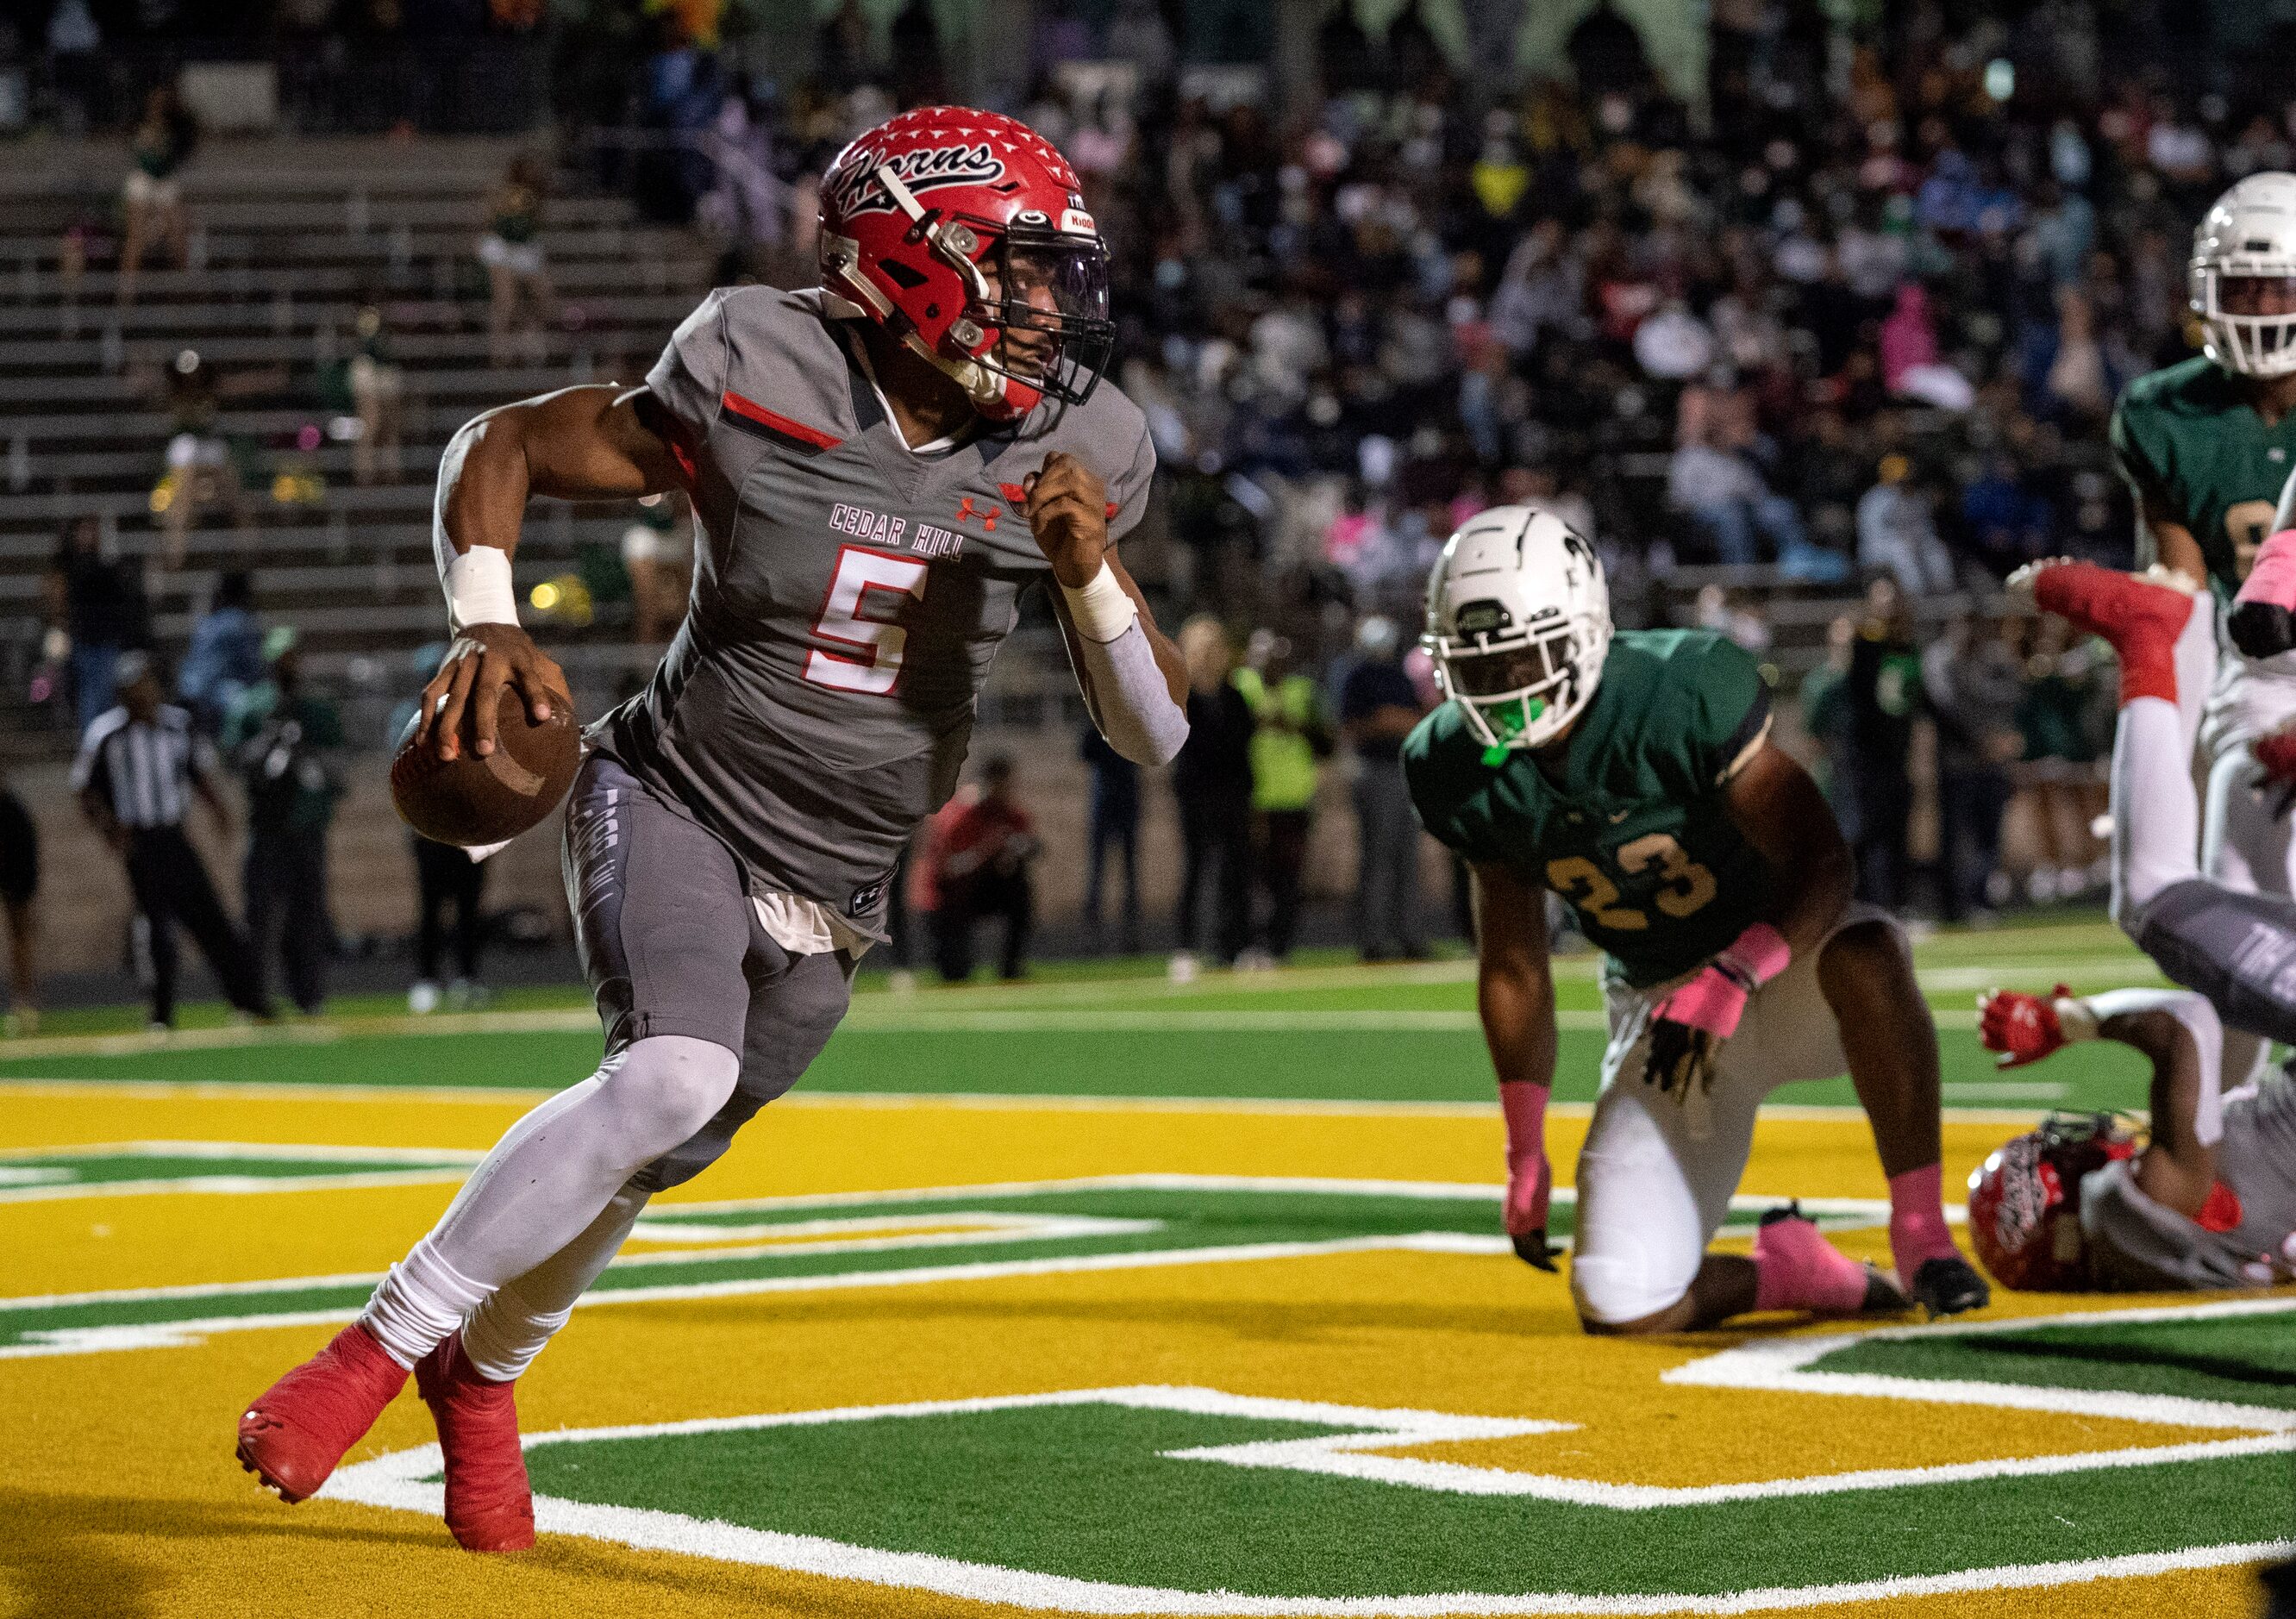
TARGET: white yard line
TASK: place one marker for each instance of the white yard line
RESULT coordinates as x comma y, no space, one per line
397,1481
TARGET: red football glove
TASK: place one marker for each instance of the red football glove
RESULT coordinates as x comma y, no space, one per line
2021,1028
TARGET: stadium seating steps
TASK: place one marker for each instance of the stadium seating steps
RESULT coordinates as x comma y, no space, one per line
290,240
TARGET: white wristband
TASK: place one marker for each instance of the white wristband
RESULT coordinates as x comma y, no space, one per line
478,590
1102,610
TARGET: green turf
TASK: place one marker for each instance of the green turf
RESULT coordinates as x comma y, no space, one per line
1120,1029
1089,1492
2243,1360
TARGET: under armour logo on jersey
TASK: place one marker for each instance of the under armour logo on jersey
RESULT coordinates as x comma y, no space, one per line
967,511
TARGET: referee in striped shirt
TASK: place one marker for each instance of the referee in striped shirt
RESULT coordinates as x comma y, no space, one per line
139,765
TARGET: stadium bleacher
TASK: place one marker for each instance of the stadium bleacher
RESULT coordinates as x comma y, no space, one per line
287,243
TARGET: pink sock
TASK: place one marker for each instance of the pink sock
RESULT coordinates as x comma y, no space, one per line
1917,1228
1796,1268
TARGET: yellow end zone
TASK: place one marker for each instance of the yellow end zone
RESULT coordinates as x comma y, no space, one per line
124,1496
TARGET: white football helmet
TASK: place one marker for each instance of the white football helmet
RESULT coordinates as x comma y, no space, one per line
1518,622
2243,276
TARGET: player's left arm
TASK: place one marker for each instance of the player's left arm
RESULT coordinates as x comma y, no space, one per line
2263,618
2178,1168
1778,810
1132,676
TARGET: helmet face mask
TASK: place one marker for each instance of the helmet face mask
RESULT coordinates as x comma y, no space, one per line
964,233
1518,624
2243,277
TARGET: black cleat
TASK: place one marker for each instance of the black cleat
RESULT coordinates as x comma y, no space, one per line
1534,1250
2261,629
1947,1287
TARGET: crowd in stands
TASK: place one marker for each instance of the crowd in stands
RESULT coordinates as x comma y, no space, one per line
1848,316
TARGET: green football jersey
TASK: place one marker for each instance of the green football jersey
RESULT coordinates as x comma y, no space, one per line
1630,828
2191,445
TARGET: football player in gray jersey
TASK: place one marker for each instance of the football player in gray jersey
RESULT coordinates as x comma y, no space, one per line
880,466
2205,1198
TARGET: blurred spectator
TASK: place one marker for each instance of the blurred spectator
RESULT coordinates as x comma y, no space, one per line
1113,828
519,295
1712,482
287,742
658,554
378,391
445,876
19,897
227,652
1971,692
1896,532
151,196
2060,714
98,601
1736,618
1824,701
203,465
981,871
139,765
1378,708
1884,689
1211,780
1289,734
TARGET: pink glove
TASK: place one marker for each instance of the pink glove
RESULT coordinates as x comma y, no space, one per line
1699,1014
1531,1179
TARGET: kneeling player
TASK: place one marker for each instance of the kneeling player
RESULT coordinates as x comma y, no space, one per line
1633,774
2208,1200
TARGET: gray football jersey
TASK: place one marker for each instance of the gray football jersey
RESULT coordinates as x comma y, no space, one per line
847,598
2139,1245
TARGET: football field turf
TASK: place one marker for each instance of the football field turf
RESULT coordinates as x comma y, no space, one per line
1094,1295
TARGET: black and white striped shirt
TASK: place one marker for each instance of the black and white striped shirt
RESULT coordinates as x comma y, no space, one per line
143,769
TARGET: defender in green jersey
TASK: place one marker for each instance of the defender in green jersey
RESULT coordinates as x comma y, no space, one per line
2208,446
1633,774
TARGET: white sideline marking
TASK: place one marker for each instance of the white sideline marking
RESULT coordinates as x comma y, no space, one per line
684,1223
987,1101
396,1481
27,1183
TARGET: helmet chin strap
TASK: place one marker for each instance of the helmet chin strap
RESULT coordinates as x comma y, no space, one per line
993,394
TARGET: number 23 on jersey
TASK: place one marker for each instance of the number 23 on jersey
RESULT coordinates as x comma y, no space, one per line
1685,886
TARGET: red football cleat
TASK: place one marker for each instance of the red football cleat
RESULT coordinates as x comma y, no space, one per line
299,1428
489,1504
2021,1028
2140,615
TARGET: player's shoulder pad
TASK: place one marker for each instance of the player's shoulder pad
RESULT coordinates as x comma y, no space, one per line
1706,704
2194,387
1442,765
1109,433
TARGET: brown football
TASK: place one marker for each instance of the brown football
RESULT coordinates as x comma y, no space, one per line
473,801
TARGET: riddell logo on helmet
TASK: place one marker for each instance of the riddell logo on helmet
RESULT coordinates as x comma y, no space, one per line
920,170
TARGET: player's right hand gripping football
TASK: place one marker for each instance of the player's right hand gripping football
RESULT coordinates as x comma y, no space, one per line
1690,1024
483,660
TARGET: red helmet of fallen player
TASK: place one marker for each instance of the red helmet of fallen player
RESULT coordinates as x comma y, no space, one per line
2024,1201
964,235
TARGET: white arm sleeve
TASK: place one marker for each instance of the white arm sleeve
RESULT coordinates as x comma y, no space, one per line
1130,702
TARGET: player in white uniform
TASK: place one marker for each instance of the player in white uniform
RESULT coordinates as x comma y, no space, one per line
2207,446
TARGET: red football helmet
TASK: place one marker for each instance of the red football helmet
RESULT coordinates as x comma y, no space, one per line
2024,1201
964,235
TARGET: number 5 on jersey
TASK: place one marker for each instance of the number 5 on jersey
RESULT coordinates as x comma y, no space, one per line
849,618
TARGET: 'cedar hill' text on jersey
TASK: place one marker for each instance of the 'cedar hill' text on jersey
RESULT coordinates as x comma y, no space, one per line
1632,829
2191,446
848,595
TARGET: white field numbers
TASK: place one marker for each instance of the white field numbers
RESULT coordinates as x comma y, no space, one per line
851,619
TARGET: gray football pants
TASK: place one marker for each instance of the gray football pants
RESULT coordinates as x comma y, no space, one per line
672,945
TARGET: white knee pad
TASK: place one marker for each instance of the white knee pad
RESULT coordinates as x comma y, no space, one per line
664,1088
1625,1280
